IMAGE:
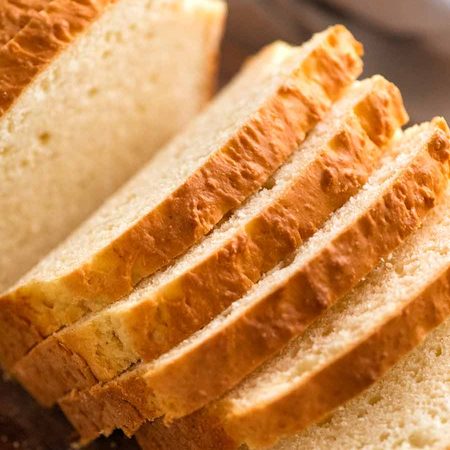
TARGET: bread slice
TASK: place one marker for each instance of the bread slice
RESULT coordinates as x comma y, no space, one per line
407,409
284,303
224,156
344,352
329,167
62,77
14,15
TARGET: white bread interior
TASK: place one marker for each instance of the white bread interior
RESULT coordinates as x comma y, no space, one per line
96,114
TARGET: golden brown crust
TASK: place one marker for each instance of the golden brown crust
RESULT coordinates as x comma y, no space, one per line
194,298
236,350
230,175
39,41
199,431
14,15
317,396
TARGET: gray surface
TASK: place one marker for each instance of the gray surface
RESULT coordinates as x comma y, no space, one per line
407,55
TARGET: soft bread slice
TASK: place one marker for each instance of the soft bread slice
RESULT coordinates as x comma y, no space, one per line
329,167
407,409
15,14
284,303
62,80
344,352
223,157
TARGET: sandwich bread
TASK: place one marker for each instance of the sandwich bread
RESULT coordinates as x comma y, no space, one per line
327,169
390,206
225,155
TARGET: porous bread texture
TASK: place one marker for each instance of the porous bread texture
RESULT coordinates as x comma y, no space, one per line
388,208
62,81
328,168
352,345
15,14
407,409
226,154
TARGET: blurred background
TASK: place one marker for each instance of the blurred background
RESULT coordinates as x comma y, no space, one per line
408,41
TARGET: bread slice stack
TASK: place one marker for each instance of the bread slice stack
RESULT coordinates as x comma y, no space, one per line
274,260
254,239
342,353
88,96
224,156
283,303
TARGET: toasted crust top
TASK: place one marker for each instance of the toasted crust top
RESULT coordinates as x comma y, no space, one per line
14,15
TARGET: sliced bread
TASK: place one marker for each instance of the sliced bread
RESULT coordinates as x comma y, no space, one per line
340,355
389,207
407,409
73,127
225,155
328,168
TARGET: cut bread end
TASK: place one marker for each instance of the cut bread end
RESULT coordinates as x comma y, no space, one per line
76,77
